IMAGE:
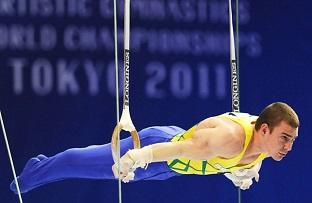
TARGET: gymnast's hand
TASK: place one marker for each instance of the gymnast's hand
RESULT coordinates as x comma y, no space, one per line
131,161
126,170
243,178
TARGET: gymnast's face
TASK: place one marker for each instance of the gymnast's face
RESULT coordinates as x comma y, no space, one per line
280,140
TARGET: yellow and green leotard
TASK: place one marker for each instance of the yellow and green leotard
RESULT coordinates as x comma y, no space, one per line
216,164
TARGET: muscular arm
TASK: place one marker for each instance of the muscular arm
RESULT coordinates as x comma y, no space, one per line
213,137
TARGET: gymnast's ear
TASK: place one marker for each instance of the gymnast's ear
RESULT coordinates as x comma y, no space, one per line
264,129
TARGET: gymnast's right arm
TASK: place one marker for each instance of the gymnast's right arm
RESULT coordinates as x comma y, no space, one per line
206,142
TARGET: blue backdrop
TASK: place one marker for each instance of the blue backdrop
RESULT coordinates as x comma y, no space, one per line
57,87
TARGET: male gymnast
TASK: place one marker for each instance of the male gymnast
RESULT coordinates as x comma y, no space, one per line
233,144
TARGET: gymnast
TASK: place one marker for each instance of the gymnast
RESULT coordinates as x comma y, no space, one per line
233,144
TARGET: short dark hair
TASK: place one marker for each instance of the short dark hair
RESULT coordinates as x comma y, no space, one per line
275,113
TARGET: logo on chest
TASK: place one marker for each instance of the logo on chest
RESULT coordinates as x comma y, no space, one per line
220,167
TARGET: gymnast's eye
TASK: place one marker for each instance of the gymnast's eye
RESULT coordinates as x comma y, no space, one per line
284,138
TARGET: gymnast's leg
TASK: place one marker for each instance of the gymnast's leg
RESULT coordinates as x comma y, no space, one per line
93,162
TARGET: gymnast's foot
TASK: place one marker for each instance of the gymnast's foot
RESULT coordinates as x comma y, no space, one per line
26,180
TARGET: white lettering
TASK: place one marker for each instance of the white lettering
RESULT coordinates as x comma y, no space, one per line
157,74
41,74
67,83
181,80
46,8
48,37
18,64
93,73
27,37
203,80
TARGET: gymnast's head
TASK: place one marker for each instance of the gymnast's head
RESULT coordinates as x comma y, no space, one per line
278,126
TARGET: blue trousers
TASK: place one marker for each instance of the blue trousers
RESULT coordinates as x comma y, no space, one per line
94,162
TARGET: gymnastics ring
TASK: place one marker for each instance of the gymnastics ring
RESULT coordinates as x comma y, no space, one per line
115,138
